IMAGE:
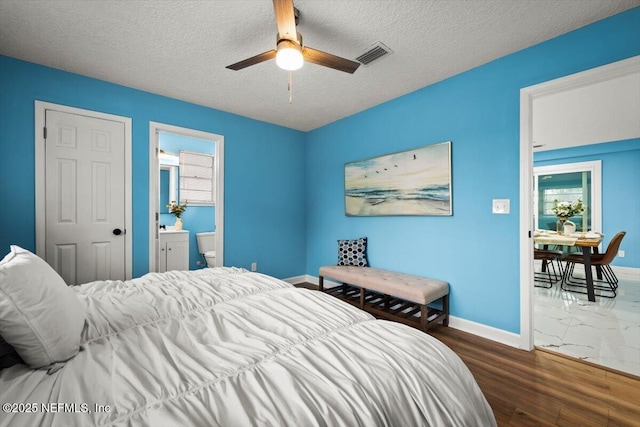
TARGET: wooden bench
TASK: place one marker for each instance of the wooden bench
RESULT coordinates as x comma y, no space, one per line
390,295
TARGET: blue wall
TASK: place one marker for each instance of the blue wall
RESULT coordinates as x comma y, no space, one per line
284,190
475,250
196,219
264,163
620,189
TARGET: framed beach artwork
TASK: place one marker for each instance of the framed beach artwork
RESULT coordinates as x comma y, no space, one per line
412,182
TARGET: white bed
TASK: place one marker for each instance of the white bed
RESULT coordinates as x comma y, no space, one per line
227,347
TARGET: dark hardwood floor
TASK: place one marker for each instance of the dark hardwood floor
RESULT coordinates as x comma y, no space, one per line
540,388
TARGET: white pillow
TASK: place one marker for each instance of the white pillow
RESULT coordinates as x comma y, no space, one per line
40,316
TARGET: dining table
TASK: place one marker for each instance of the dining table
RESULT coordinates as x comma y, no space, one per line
588,242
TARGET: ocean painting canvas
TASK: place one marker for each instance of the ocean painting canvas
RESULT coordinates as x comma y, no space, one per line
412,182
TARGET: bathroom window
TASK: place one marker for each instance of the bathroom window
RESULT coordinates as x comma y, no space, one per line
197,178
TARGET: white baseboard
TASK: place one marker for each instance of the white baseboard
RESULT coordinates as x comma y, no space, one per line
484,331
626,273
297,279
623,273
494,334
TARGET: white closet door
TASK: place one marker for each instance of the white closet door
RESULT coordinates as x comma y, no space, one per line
85,197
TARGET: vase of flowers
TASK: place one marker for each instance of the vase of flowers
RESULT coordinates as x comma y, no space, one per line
564,211
177,209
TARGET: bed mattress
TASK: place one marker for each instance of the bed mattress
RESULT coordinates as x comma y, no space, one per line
227,347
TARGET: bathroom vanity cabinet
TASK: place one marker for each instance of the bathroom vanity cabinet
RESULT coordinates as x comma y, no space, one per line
174,250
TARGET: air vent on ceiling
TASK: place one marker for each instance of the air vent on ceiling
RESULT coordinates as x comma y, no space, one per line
378,50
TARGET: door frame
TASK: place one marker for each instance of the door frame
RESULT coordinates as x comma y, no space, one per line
527,96
40,175
154,129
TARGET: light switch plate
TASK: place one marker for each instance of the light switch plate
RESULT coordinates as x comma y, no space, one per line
501,206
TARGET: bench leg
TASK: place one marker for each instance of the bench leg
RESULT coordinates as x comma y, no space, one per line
321,283
445,309
424,323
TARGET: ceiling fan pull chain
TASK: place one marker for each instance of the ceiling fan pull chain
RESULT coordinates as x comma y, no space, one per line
290,92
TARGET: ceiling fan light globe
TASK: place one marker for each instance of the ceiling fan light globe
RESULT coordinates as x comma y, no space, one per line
289,56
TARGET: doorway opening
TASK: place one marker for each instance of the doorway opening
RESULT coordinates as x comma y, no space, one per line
186,167
551,119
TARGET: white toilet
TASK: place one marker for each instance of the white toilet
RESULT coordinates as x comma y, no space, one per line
207,247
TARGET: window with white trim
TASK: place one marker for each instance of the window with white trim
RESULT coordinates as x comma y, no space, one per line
550,195
197,178
568,182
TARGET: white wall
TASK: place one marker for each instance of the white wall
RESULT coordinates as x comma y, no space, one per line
602,111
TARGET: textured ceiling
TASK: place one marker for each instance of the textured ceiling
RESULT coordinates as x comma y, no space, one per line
180,48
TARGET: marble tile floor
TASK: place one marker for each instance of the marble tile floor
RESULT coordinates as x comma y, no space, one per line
605,332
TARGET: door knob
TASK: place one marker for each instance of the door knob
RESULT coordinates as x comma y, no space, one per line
117,231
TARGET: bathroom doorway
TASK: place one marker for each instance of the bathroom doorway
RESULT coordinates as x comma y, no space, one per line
175,152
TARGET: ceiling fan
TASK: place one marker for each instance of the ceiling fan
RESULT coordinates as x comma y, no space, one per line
290,53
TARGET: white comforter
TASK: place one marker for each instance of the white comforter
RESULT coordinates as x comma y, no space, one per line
226,347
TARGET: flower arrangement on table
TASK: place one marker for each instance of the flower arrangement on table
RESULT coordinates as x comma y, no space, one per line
176,208
565,210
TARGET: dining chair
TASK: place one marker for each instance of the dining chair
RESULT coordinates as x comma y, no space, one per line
546,279
609,282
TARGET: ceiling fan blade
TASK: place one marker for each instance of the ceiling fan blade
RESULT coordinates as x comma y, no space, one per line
265,56
328,60
285,19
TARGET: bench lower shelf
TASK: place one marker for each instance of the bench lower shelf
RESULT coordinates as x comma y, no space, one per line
391,308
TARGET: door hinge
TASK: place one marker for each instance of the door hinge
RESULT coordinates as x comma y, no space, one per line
44,132
529,233
157,216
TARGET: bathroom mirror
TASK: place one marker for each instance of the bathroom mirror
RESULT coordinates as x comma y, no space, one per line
168,186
